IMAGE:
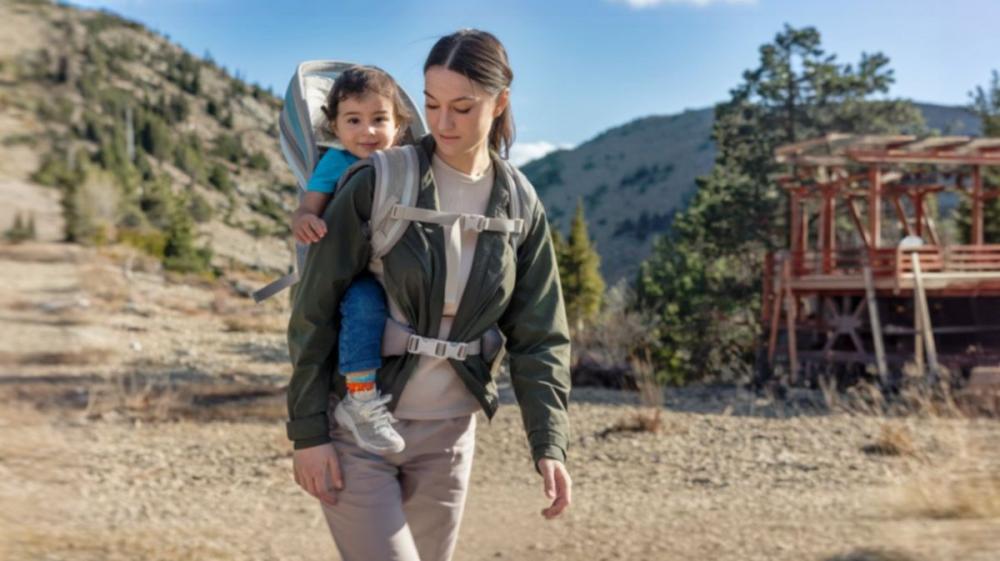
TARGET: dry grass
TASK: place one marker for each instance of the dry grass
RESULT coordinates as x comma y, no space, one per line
894,440
37,253
81,357
255,323
134,398
874,555
105,283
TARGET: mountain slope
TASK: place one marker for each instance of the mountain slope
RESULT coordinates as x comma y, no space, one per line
139,135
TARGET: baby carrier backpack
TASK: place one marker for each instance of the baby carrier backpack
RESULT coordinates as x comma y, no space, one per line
304,137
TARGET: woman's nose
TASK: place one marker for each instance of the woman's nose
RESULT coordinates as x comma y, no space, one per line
444,120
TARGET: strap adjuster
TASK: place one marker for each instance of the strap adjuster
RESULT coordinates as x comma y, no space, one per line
476,222
436,348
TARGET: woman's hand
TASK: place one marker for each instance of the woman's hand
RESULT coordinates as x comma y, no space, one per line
317,470
558,486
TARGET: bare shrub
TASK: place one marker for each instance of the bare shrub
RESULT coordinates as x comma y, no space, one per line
602,352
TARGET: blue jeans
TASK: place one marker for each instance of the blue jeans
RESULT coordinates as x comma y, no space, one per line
363,315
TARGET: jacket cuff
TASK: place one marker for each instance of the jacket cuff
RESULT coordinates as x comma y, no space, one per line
552,451
308,428
310,442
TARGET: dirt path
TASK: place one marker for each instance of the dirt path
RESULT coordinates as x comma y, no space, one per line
108,452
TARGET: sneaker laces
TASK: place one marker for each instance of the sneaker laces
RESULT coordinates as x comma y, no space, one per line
376,411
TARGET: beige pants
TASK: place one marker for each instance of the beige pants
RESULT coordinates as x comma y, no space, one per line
404,506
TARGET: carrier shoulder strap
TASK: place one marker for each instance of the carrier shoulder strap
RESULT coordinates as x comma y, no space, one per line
522,201
397,182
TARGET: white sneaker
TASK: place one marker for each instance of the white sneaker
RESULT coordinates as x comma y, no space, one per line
371,424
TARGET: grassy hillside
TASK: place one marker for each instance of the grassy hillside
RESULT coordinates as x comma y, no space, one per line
139,142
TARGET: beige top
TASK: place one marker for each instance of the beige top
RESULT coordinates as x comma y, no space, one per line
434,390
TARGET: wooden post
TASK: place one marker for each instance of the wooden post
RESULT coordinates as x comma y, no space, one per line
827,226
796,218
790,318
918,213
875,206
977,205
772,340
873,318
925,317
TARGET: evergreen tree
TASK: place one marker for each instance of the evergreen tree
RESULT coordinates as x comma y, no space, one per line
986,104
704,279
583,286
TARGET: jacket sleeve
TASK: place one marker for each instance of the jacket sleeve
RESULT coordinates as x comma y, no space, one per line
331,264
538,343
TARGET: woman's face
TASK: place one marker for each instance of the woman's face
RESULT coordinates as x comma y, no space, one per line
459,111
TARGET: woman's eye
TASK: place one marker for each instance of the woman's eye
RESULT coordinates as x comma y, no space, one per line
430,107
463,111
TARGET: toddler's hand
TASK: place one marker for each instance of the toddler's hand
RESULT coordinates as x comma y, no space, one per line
309,228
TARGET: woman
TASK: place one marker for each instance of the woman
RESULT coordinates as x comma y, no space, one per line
409,505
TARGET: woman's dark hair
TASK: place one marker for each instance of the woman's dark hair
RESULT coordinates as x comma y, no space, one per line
479,56
357,81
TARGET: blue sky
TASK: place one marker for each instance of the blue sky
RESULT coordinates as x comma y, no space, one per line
582,66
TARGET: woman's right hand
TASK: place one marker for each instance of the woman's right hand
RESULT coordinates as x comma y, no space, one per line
317,470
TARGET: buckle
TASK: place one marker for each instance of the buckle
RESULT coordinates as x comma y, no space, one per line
413,344
395,211
475,222
441,349
460,351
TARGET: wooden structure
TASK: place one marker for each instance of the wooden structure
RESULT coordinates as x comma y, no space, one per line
842,296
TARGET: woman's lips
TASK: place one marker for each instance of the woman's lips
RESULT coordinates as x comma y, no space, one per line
448,139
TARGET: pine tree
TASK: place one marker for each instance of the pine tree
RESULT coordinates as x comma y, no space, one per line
583,286
986,104
703,281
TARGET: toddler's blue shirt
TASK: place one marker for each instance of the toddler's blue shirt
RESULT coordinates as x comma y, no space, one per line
331,166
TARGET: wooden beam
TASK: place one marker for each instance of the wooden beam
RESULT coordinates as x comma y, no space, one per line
875,206
852,207
901,213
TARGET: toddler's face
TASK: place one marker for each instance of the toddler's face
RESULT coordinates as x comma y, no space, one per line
365,124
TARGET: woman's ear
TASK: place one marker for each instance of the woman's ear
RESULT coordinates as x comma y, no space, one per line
503,99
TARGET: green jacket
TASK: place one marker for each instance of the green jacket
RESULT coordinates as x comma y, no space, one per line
521,294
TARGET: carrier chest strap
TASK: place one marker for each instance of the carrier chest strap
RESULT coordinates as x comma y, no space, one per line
476,222
454,224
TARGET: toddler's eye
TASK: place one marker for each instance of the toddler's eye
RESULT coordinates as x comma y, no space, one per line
353,121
